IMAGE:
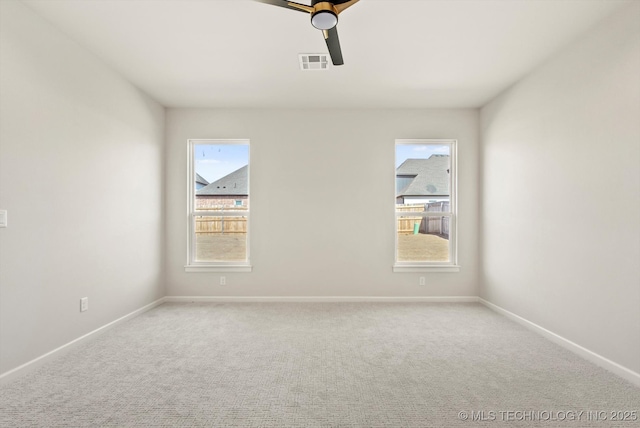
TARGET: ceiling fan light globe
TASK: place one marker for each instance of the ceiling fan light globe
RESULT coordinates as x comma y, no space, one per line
324,20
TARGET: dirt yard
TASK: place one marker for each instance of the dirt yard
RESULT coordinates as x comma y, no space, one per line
228,247
232,247
422,247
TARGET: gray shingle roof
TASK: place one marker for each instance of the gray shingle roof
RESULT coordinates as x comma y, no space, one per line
235,184
431,176
201,180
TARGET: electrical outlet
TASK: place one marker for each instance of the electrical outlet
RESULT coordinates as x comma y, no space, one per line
84,304
422,281
223,280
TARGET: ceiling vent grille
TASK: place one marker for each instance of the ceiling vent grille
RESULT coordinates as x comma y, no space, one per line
309,62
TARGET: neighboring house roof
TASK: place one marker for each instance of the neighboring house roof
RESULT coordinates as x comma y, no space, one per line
236,184
430,176
201,180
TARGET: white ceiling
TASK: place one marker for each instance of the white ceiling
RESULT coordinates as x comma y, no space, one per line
398,53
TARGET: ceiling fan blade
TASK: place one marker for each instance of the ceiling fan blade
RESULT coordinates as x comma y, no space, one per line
333,43
342,6
289,5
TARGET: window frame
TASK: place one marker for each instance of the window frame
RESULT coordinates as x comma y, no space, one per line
431,266
213,266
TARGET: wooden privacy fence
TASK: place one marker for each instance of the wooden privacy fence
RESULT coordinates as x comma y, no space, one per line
221,224
406,224
433,225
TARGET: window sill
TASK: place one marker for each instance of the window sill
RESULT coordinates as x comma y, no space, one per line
425,268
217,268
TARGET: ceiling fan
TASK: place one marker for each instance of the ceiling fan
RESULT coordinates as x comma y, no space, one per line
324,17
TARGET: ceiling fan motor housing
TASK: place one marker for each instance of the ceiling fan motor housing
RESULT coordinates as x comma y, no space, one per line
324,16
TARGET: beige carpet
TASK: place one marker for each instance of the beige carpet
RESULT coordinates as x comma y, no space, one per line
318,365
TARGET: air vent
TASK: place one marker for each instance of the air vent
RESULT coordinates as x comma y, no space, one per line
310,62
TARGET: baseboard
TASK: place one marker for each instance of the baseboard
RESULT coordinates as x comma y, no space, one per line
321,299
588,355
37,362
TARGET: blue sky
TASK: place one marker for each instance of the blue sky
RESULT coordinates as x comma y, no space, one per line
418,151
214,161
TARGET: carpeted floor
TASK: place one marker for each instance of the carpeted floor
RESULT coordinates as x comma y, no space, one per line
318,365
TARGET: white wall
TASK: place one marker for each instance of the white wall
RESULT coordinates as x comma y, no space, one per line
322,201
81,154
561,193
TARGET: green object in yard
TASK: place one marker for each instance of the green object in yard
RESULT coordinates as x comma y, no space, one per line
416,228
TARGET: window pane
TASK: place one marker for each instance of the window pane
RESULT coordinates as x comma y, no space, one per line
423,173
221,176
423,239
221,239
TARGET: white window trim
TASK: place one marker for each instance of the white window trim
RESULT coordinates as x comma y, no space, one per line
192,265
452,264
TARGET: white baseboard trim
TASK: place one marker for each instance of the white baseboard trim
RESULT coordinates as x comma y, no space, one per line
320,299
30,366
588,355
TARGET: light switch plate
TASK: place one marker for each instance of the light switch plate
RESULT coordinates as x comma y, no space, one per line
3,218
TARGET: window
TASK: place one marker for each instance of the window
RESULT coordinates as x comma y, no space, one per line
218,183
425,200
